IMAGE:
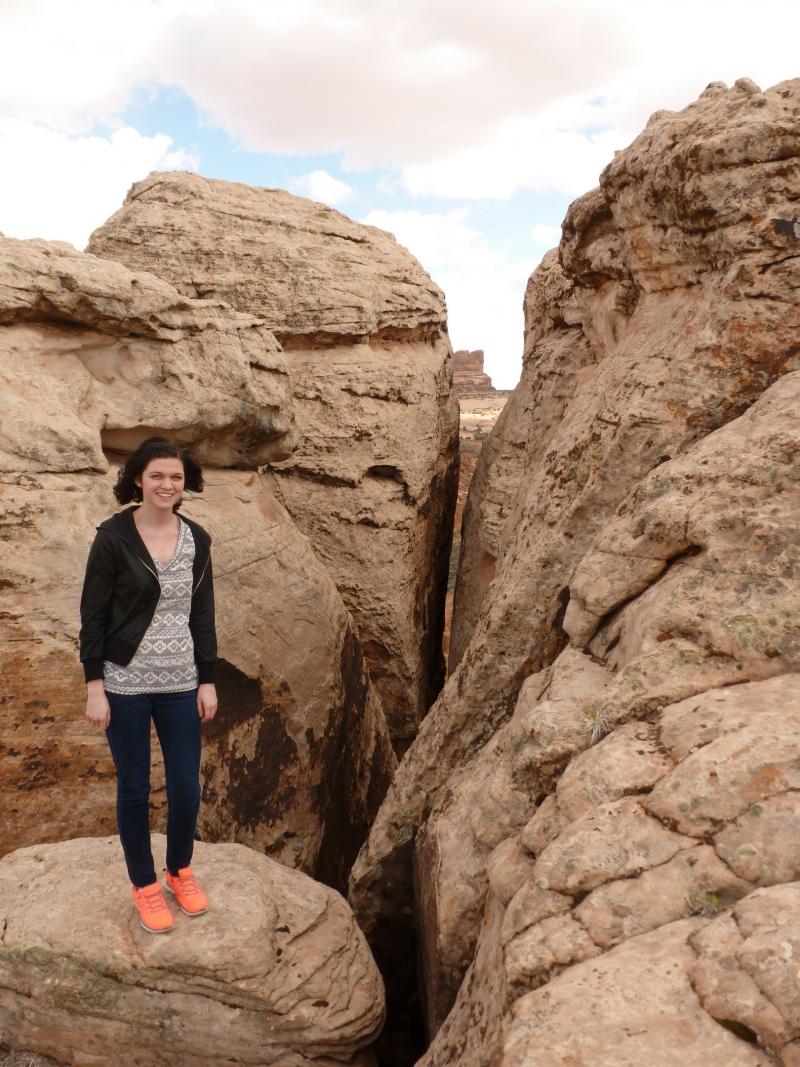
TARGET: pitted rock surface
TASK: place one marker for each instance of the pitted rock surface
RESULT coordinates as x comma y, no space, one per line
639,888
90,352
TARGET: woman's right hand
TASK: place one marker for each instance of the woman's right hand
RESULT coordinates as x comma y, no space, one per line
97,710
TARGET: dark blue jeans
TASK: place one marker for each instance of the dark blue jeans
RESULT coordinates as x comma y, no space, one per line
178,729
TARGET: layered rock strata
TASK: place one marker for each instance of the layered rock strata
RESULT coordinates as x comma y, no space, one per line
642,482
279,975
373,480
94,357
93,354
469,377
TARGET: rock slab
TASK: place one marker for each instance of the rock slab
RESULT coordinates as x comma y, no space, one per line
275,973
668,315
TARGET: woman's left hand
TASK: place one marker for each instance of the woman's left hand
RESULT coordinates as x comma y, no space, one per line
206,701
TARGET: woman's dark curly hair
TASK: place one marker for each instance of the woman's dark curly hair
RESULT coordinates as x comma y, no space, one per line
126,488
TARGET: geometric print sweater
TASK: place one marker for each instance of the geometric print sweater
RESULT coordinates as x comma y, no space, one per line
164,661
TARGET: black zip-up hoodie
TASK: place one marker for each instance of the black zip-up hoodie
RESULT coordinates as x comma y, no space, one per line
121,592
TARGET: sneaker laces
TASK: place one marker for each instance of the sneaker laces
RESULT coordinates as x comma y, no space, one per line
188,884
154,900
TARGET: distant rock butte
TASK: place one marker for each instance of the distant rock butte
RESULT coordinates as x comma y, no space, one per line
469,377
373,479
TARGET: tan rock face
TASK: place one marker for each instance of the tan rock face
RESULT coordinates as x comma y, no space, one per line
636,1005
281,975
373,480
722,762
622,885
486,803
639,497
737,746
134,353
298,757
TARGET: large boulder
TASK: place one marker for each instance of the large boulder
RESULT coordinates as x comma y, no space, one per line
373,480
299,756
275,973
645,912
667,318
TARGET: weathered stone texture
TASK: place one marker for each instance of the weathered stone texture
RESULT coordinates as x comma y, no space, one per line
373,480
91,353
619,884
639,498
276,972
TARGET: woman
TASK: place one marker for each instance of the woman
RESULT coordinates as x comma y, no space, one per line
148,648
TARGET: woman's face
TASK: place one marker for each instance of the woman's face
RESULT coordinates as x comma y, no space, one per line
162,483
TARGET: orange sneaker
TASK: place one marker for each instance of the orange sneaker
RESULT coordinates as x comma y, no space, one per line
190,897
154,914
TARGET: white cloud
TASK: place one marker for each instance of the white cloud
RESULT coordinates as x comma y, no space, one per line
456,101
69,65
320,185
61,187
545,236
539,153
464,99
385,84
484,287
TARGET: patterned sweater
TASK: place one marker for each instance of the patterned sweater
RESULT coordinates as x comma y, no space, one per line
164,661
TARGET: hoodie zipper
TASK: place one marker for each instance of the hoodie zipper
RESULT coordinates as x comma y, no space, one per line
199,580
160,590
155,609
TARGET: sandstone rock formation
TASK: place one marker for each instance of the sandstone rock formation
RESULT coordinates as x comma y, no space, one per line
373,479
639,498
94,357
469,377
651,860
93,353
280,975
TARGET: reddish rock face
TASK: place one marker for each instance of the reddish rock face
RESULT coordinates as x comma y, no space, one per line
468,374
373,479
637,499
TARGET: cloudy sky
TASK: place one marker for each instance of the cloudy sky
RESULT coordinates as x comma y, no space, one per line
465,127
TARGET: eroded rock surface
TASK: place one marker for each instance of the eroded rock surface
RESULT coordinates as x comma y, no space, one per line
717,767
298,757
373,480
276,972
639,497
91,352
625,907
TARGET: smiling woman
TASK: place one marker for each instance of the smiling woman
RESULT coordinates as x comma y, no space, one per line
148,647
